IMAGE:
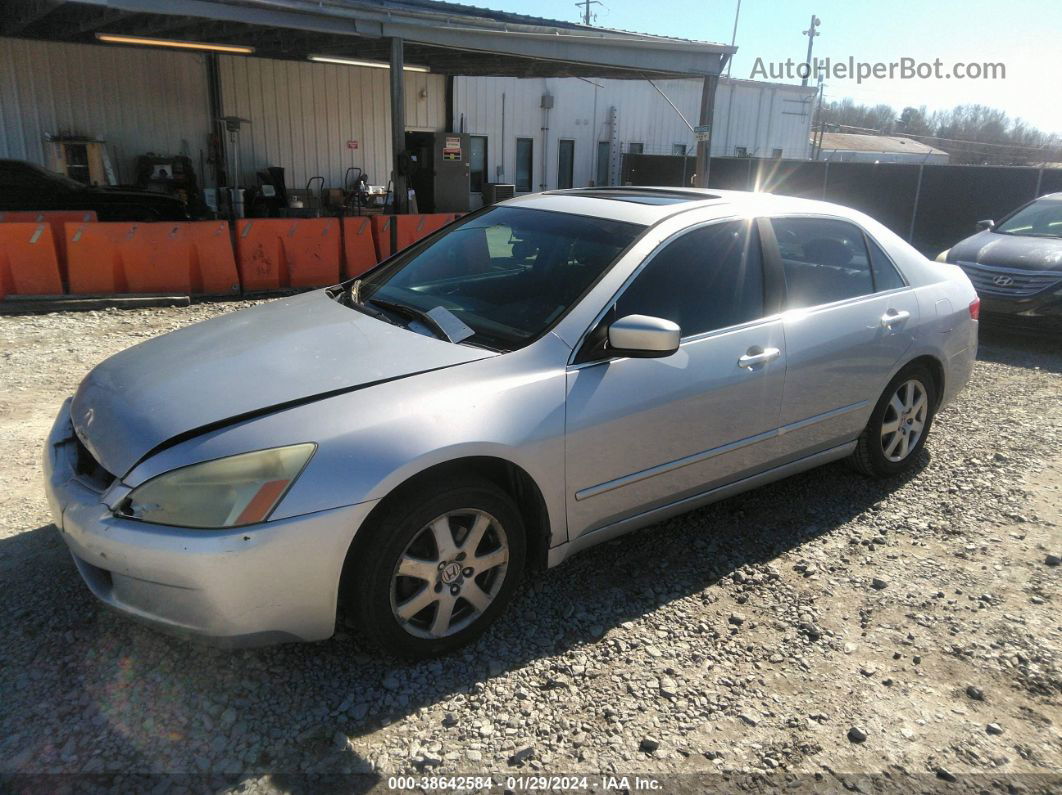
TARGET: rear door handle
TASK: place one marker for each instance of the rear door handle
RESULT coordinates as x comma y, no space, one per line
892,317
757,356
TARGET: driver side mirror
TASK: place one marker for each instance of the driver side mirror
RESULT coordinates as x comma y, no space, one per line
985,225
643,337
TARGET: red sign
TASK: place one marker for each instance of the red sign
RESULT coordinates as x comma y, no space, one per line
352,144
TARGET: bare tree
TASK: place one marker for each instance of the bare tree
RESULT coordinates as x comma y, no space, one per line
974,134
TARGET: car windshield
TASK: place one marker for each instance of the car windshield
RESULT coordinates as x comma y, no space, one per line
508,274
1039,219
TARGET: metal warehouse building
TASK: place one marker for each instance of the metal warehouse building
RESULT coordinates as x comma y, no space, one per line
549,133
302,115
535,102
306,116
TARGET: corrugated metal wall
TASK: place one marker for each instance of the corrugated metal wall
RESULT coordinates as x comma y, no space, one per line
303,114
138,100
145,100
761,117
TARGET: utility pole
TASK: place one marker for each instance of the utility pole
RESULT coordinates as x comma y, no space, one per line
816,145
733,38
811,33
585,5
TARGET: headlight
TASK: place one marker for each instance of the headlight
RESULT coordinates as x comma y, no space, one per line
943,255
226,492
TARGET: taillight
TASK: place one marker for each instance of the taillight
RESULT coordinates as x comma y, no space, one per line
975,309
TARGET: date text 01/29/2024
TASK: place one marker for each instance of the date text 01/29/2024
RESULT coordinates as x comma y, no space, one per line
529,783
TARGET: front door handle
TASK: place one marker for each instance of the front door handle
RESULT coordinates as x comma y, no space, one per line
757,356
892,317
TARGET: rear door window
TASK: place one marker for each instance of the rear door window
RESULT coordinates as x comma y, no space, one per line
886,277
825,260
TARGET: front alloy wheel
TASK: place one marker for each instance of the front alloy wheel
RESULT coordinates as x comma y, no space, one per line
435,565
450,573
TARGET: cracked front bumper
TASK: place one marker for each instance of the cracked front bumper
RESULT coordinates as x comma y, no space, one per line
255,585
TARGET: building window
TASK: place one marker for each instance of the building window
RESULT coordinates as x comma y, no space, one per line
524,158
635,148
565,164
477,162
604,163
678,149
741,151
776,154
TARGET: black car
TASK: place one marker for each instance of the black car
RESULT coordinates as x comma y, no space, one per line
1016,265
25,186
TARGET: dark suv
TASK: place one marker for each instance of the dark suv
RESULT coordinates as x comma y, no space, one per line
1016,265
25,186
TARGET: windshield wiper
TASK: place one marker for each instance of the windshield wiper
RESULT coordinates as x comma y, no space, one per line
414,313
351,296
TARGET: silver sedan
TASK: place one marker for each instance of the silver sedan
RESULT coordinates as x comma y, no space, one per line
540,376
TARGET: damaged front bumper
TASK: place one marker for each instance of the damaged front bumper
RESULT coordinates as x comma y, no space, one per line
267,583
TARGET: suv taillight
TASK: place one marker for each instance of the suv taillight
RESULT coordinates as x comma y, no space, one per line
975,309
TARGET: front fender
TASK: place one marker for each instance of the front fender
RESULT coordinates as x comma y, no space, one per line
370,441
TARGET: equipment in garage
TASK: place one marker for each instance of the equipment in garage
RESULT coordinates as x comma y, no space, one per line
172,175
494,192
234,195
80,158
439,170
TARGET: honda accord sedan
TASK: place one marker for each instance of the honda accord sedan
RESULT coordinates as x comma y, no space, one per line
538,377
1016,265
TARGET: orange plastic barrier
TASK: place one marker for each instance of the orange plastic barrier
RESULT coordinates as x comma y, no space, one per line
184,257
359,248
411,228
273,253
28,261
56,219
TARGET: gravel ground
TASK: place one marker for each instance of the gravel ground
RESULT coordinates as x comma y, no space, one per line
822,629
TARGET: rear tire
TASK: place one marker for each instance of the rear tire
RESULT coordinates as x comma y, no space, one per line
899,425
436,569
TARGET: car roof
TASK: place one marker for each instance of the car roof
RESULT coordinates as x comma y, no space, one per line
648,205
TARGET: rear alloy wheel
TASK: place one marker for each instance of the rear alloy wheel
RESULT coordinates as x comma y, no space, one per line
899,425
904,421
434,570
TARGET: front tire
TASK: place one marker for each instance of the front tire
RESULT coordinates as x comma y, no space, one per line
436,570
899,425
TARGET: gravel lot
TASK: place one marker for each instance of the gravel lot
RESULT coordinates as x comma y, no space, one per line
826,625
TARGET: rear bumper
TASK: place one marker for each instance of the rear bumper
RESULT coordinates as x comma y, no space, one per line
273,582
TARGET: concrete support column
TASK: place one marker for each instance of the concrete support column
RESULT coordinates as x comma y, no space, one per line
711,83
398,126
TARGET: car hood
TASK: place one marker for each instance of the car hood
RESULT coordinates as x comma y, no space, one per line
1009,251
241,364
127,194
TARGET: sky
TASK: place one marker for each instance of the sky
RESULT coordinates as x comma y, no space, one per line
1024,35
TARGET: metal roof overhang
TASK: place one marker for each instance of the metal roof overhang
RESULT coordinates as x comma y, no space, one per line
447,38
